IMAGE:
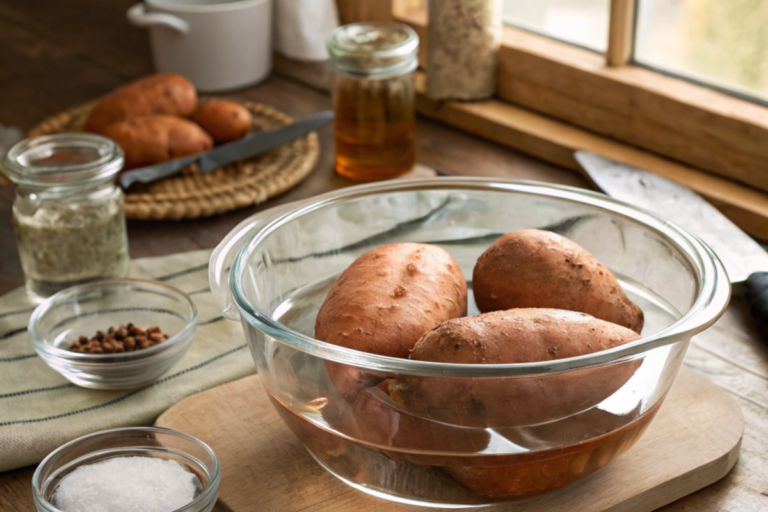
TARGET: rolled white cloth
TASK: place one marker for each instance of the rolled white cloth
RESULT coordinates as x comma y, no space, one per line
302,26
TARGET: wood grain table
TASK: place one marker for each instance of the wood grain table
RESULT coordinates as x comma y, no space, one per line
58,54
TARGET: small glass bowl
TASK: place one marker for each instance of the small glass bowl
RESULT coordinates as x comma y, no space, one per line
162,443
83,310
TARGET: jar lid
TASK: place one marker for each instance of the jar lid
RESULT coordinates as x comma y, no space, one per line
63,160
373,50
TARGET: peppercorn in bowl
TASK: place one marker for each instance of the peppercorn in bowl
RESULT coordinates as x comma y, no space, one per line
114,334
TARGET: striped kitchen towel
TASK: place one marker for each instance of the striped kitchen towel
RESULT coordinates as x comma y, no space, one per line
41,410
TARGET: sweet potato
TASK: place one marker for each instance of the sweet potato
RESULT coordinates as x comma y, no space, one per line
376,420
161,93
584,445
153,139
384,302
532,268
571,430
514,336
223,120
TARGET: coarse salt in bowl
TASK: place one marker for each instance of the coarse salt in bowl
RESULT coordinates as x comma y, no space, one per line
122,470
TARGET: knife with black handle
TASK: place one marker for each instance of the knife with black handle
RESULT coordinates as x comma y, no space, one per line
745,260
756,294
252,145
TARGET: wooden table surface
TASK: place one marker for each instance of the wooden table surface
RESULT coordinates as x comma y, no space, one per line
58,54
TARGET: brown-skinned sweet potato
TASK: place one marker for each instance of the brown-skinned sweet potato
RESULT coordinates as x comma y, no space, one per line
375,419
585,443
532,268
223,120
153,139
384,302
161,93
514,336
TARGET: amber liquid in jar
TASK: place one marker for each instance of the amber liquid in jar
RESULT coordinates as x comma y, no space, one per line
375,127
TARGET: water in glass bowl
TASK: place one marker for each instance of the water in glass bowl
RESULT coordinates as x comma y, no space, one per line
418,460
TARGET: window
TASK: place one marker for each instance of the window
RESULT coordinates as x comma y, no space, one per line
723,43
581,22
718,43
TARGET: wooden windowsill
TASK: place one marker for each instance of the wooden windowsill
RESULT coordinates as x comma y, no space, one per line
555,141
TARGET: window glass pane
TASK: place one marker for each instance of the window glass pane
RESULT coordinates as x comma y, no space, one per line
582,22
721,42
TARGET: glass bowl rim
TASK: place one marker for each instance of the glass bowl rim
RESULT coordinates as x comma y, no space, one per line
712,298
123,357
202,498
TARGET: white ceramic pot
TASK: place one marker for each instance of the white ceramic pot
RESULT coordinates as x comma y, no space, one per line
218,44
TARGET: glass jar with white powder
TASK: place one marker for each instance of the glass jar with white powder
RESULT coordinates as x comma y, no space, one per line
68,213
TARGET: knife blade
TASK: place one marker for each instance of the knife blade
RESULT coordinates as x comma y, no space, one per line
744,259
247,147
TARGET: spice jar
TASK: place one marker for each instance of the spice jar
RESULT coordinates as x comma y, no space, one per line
373,95
68,213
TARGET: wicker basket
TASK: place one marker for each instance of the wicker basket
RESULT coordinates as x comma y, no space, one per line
189,194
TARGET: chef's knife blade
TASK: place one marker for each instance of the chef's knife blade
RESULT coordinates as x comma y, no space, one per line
740,254
252,145
743,258
260,142
156,172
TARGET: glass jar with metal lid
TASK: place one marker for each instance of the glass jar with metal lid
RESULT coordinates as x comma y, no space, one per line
68,213
373,96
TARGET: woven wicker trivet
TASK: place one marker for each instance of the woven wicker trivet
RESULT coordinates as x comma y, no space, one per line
190,194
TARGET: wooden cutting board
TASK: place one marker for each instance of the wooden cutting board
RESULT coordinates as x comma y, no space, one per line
693,442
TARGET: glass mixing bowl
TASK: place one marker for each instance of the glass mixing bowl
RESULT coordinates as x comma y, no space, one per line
563,419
